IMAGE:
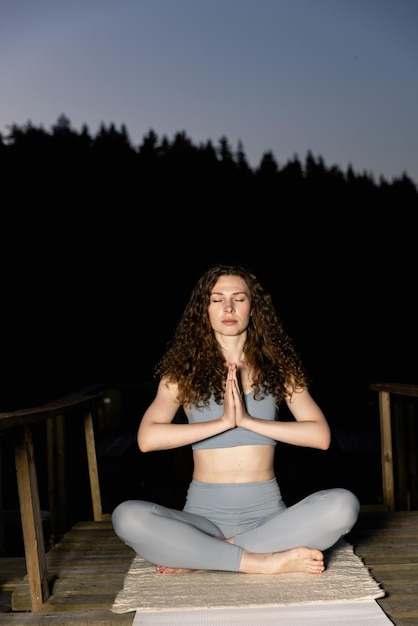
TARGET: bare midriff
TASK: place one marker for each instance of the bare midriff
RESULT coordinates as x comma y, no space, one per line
243,464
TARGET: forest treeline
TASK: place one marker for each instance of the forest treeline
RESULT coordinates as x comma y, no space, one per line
102,241
108,166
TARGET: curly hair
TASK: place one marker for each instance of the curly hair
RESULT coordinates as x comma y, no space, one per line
194,360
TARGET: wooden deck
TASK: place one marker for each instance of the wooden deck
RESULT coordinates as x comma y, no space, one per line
87,570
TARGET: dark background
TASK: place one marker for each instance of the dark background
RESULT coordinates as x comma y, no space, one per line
102,242
102,245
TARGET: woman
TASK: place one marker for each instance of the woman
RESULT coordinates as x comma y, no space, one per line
230,365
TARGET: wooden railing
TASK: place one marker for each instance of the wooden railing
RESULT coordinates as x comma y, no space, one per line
20,423
385,390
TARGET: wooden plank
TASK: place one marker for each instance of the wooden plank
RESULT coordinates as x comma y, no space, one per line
398,547
399,587
92,465
386,450
69,618
100,536
30,511
399,607
90,551
400,389
73,601
12,570
92,525
28,416
105,584
68,600
390,573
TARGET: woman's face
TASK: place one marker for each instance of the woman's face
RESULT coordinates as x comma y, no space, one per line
230,306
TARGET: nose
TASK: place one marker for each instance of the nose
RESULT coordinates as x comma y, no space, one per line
229,307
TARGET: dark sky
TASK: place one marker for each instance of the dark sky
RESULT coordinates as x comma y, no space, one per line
337,78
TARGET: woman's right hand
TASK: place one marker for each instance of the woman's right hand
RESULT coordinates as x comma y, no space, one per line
235,411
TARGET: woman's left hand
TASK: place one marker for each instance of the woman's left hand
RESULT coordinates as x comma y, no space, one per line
240,410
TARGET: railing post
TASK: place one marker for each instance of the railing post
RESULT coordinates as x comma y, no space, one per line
30,511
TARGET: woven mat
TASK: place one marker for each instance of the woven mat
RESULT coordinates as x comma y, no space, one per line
346,579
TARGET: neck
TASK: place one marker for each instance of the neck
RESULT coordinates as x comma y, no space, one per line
233,349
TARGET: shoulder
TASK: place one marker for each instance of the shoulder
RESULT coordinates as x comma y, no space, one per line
165,401
167,388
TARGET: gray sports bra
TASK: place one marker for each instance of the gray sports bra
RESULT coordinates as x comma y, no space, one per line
265,408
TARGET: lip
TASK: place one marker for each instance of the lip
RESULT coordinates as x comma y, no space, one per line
229,322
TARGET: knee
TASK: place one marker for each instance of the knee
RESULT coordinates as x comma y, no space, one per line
126,516
347,507
119,516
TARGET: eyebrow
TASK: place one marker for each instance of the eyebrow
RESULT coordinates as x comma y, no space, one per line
234,293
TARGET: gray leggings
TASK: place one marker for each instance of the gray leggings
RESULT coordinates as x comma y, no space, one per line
253,513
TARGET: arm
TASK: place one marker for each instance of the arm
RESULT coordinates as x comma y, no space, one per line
309,429
157,432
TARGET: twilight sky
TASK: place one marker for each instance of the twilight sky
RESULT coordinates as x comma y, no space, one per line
336,77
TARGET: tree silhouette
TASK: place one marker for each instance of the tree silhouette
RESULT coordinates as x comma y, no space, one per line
99,218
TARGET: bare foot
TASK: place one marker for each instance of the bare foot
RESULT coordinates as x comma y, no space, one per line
307,560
